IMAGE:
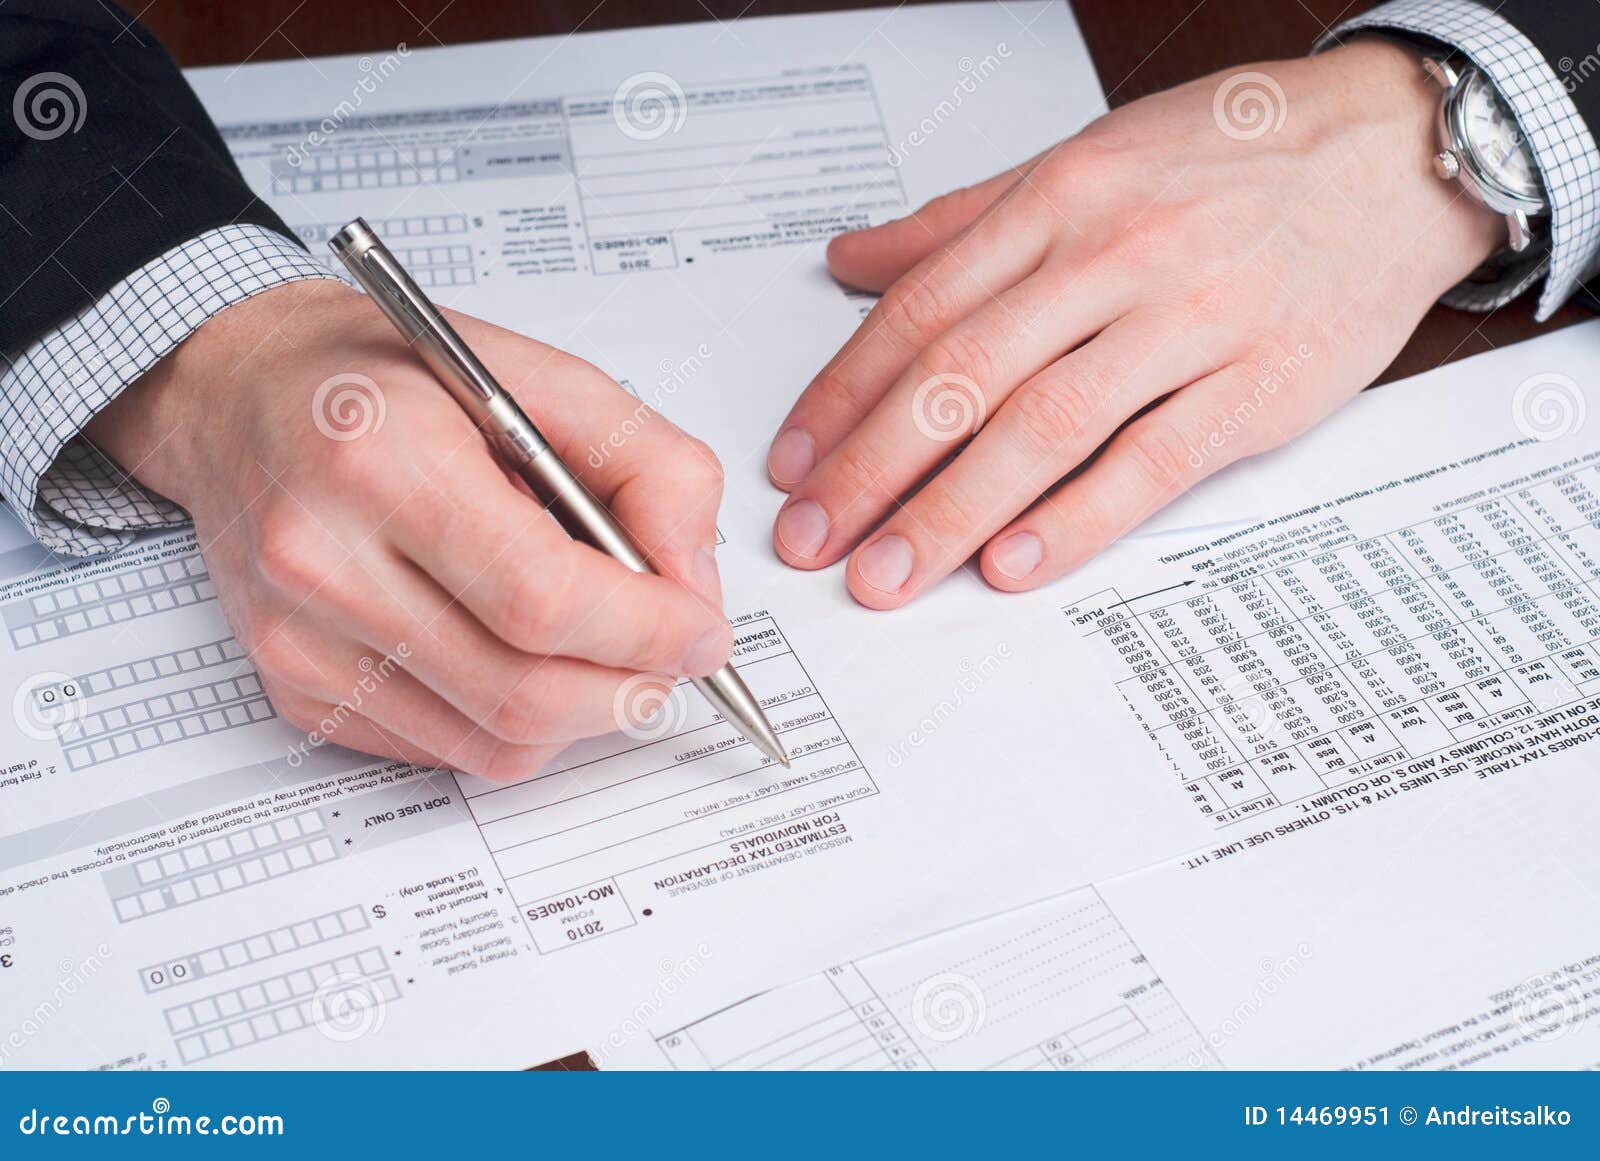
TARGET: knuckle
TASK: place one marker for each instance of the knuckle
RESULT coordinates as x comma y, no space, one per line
949,200
506,762
1105,170
1160,454
1139,246
836,390
471,752
915,310
287,556
665,638
947,512
1217,304
529,607
277,659
708,469
1091,519
1055,415
963,352
288,706
303,713
1104,146
853,476
1159,236
951,205
522,716
353,466
451,523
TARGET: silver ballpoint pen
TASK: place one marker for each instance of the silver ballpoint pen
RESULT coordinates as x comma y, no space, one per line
518,442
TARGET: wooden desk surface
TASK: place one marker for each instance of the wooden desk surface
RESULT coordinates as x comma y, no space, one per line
1138,47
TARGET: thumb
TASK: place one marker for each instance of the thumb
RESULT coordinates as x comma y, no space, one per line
874,258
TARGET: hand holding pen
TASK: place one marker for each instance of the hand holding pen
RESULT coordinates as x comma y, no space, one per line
396,591
522,447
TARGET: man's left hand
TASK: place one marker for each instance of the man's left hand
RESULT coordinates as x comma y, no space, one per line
1196,277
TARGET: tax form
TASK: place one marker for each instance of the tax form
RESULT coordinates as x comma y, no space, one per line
1414,955
184,881
1385,699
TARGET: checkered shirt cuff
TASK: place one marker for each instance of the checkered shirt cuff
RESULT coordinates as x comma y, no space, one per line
73,498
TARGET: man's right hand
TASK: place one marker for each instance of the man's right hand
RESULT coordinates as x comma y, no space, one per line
349,513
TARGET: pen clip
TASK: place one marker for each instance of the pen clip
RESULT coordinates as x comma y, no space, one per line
381,282
380,274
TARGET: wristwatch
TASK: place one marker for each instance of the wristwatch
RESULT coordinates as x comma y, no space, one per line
1482,148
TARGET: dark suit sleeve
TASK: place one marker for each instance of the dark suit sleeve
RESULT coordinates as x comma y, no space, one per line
107,160
1567,32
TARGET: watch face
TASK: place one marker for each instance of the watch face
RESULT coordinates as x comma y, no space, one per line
1496,141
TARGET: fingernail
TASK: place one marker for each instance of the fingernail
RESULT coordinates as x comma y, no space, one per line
707,654
803,528
792,455
885,564
706,577
1018,555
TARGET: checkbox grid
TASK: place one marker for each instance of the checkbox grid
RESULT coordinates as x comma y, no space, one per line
161,719
108,600
201,870
253,949
347,169
159,666
391,230
438,265
279,1005
431,264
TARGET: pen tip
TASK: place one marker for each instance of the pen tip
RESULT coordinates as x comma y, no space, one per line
784,758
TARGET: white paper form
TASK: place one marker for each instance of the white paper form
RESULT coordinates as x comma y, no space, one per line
1058,985
1443,931
236,900
1387,704
229,887
522,180
1442,934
